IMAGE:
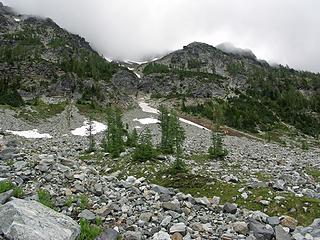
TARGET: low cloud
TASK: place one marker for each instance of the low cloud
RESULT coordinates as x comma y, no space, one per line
285,31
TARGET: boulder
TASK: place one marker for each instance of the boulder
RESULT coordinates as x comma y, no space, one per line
161,236
229,208
281,234
130,235
4,197
240,227
289,222
173,205
88,215
29,220
273,221
109,234
260,231
178,227
160,189
279,185
177,236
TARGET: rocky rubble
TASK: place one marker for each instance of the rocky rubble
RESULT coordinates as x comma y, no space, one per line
138,210
135,209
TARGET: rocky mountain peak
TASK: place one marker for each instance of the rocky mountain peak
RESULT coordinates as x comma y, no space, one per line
228,47
4,9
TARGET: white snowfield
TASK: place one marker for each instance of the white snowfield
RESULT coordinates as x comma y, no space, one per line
83,131
132,70
146,121
146,108
32,134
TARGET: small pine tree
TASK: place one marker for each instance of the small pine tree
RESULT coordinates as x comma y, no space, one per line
115,133
132,138
144,150
217,150
172,134
90,136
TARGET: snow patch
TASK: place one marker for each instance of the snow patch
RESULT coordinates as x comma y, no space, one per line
146,108
192,123
132,70
145,121
17,19
137,74
30,134
83,131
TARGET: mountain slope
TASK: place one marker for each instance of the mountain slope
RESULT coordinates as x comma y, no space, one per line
37,58
252,95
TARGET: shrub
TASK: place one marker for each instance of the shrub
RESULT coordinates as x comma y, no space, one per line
18,192
45,198
83,202
6,186
178,166
217,150
88,231
144,150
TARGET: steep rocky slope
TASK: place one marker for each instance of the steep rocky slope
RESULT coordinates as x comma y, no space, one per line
38,58
252,95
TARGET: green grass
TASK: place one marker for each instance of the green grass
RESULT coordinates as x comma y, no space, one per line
95,111
200,158
199,186
69,201
89,231
7,185
315,173
160,173
45,198
263,176
84,202
41,110
18,192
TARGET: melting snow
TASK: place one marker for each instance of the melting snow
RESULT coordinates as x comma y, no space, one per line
17,19
83,131
30,134
145,121
146,108
192,123
137,74
132,70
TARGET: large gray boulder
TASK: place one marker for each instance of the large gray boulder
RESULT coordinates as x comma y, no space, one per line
260,231
30,220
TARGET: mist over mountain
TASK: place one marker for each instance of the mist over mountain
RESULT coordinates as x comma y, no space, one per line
285,32
197,142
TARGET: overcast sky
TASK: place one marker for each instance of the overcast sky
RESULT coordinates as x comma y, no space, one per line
282,31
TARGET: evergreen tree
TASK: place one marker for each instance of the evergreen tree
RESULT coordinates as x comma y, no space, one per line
144,150
90,136
132,138
115,133
216,150
172,134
